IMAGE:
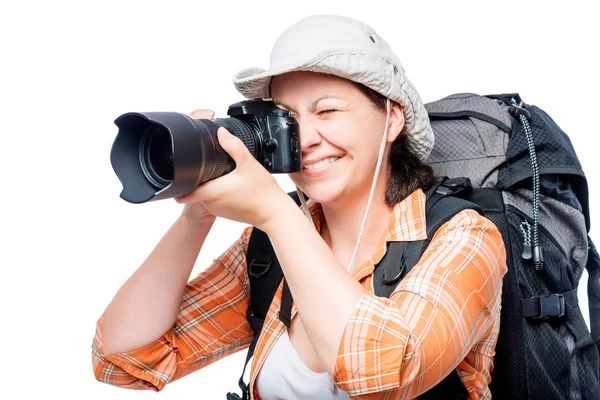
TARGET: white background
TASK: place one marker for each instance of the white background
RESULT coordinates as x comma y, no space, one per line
68,69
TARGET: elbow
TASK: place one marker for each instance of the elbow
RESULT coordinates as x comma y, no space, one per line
107,372
99,365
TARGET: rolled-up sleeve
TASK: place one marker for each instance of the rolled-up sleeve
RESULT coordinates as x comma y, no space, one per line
211,325
444,315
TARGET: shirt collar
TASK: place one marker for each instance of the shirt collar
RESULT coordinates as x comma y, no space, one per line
406,224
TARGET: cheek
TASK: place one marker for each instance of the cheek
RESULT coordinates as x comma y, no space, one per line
341,133
362,138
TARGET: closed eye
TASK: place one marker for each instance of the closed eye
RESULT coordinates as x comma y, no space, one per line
330,111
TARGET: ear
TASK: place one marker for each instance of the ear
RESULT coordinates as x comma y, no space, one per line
396,122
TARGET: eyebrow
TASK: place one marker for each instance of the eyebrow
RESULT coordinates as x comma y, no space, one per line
312,106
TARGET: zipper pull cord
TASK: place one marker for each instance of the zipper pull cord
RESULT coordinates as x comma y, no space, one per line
526,229
519,112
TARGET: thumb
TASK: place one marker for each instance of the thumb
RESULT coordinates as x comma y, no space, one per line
232,145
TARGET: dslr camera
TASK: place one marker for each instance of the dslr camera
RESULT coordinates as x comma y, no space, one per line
159,155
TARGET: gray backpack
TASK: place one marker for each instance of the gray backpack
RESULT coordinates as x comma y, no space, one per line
528,180
512,163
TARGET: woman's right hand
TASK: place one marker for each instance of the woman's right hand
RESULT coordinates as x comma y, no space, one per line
196,212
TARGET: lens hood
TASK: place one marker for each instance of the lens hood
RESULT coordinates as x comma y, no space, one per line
188,140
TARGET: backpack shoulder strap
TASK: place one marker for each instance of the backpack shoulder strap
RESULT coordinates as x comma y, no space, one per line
443,202
265,275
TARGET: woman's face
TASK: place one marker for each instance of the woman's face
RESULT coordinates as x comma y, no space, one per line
340,134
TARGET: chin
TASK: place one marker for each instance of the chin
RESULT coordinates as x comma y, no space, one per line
324,193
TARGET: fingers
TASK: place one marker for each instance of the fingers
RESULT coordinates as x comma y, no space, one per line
226,141
202,113
185,199
232,145
192,197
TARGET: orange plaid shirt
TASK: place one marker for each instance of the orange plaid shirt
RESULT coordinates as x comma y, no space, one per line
445,314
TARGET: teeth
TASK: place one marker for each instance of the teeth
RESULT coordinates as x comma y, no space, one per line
321,163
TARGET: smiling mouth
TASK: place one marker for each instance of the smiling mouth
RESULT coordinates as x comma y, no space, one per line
320,164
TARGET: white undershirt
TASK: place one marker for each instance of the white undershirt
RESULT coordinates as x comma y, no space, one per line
284,376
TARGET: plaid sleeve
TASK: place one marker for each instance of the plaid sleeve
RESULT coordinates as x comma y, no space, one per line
211,325
444,313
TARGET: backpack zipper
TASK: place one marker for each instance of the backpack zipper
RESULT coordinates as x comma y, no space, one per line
543,230
519,112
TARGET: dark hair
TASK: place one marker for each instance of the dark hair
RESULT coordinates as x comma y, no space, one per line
407,172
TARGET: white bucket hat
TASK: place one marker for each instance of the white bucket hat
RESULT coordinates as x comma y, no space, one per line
350,49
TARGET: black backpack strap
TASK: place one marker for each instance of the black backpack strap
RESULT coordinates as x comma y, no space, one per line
285,310
265,275
593,269
442,203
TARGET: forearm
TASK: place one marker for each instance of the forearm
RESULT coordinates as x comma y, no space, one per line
147,305
324,292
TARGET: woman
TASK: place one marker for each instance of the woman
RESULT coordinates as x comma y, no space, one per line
364,133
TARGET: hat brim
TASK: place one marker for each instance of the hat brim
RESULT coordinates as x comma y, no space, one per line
370,70
255,82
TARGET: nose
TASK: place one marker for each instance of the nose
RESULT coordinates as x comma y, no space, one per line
309,135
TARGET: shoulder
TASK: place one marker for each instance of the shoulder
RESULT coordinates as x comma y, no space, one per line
470,220
469,240
466,255
468,229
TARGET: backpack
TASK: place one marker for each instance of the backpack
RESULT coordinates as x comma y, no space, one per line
513,164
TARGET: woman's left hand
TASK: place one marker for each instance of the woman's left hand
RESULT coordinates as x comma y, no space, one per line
248,194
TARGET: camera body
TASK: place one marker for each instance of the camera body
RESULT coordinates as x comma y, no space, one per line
159,155
277,132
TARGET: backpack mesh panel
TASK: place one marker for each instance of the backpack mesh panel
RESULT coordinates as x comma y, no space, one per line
465,142
509,365
552,359
554,150
587,382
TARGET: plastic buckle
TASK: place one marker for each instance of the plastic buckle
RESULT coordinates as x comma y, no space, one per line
552,305
458,183
443,190
454,186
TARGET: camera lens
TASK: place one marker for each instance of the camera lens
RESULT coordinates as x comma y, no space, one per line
156,156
